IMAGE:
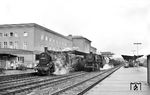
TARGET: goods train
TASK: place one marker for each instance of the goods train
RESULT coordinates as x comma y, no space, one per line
92,62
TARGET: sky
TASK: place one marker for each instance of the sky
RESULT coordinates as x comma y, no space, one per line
111,25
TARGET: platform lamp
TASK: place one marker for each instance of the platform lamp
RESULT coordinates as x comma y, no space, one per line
137,44
133,52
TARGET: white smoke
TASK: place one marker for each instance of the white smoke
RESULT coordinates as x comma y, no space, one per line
60,68
107,66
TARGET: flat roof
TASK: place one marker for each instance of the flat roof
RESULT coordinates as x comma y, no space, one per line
93,47
17,25
80,37
51,31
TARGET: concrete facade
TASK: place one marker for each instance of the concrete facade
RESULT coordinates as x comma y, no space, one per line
44,37
32,37
17,36
93,49
81,43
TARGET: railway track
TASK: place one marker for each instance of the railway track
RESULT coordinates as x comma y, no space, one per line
53,85
76,86
82,87
17,80
11,88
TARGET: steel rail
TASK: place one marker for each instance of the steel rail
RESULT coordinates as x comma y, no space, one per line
32,85
110,71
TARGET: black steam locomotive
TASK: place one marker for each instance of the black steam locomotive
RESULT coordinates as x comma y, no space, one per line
93,62
46,65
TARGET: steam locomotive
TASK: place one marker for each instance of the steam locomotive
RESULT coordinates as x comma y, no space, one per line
91,62
46,65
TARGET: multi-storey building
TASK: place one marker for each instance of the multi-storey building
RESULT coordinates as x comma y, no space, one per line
81,43
19,43
29,37
93,50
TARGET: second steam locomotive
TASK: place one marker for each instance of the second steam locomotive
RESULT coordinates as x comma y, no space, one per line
93,62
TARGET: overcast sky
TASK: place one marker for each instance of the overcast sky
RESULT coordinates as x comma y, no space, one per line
111,25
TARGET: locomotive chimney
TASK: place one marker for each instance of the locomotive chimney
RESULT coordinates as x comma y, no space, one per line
45,49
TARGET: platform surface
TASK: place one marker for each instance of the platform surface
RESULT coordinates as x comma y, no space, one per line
16,72
119,83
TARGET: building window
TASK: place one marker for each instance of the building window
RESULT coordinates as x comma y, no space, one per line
10,44
16,35
25,34
0,44
50,39
5,34
11,34
25,45
1,34
37,57
16,44
56,42
46,38
21,59
5,44
42,47
42,37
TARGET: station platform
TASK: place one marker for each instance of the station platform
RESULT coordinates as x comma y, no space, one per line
15,72
11,73
125,81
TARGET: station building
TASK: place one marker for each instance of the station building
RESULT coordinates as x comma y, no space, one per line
20,43
93,50
81,43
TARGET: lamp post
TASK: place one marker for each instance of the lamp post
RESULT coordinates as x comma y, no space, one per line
137,46
133,52
137,50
